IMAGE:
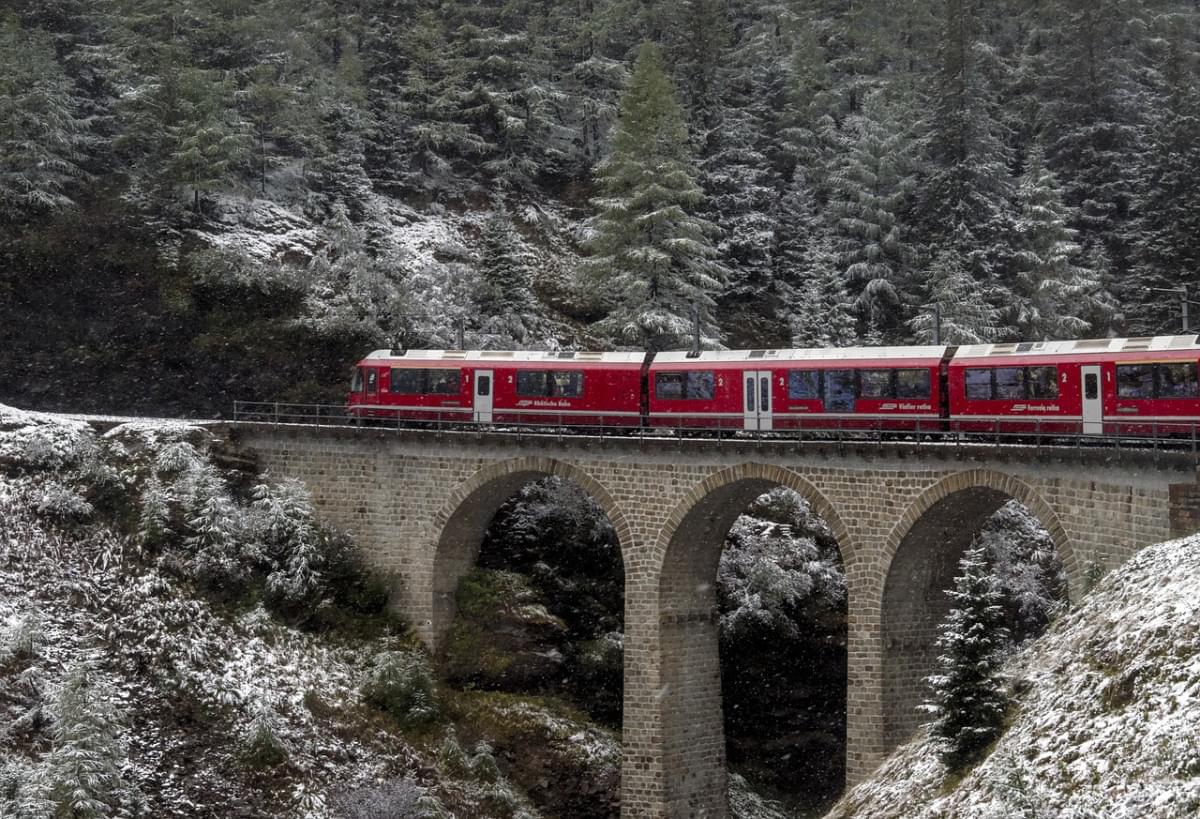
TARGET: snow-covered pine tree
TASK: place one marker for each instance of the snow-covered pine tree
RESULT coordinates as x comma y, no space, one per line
1054,295
968,698
1167,231
1093,107
44,136
82,772
870,185
967,316
338,173
216,558
818,308
506,302
967,183
352,294
653,258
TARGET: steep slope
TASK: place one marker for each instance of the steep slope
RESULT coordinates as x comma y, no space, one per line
1107,722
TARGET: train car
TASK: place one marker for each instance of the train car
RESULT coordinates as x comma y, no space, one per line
1117,386
500,387
853,388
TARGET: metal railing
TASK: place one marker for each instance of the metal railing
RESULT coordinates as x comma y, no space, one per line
1180,436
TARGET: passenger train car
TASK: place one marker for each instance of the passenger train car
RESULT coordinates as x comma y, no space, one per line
1132,386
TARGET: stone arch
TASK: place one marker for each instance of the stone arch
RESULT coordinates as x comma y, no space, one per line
687,552
458,528
919,559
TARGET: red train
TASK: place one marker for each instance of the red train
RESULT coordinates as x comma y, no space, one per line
1127,386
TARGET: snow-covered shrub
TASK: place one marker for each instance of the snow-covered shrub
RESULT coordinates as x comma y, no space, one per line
401,683
263,745
395,799
744,803
62,504
23,790
21,638
308,804
218,558
83,770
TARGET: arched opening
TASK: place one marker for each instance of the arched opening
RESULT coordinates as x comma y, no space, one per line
1018,532
469,512
776,721
531,635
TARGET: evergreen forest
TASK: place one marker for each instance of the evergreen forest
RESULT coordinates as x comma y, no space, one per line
203,200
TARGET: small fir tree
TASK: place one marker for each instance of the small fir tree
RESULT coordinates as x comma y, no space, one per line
653,257
968,699
83,771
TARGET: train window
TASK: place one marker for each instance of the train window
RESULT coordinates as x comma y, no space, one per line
532,382
1177,380
550,383
356,383
406,381
1135,381
443,382
1042,382
978,384
1091,387
372,380
840,391
750,393
1010,383
668,386
912,383
566,383
700,384
697,384
483,385
875,384
804,383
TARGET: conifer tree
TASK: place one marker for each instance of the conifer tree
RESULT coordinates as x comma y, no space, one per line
207,144
653,257
870,185
967,316
43,135
83,770
968,698
506,302
968,183
1168,225
1053,293
806,270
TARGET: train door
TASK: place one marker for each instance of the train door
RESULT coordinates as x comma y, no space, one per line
483,396
1093,404
756,407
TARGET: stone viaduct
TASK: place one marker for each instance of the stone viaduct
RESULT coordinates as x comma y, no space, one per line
419,504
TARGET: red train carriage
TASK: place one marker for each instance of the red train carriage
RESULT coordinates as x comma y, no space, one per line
500,387
1124,386
890,388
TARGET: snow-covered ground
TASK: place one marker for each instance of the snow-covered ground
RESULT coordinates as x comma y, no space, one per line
1107,722
191,684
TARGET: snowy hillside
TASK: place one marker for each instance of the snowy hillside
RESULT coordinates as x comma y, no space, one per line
1107,719
130,688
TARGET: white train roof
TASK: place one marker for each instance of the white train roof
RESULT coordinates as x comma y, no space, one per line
1082,347
815,354
507,355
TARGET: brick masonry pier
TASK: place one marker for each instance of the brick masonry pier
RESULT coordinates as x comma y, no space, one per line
419,504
